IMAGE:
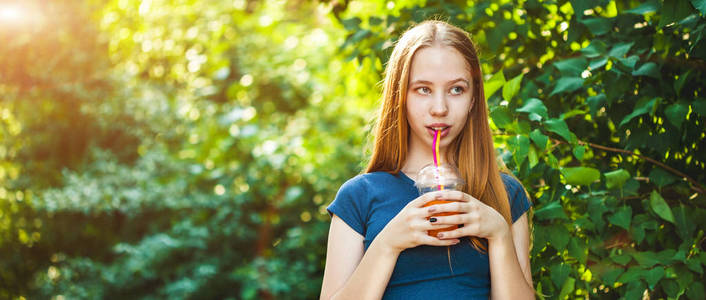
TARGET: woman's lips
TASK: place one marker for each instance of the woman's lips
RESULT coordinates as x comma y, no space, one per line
443,133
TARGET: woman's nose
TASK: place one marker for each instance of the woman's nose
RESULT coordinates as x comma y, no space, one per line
439,106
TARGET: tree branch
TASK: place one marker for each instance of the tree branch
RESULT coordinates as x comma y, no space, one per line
695,185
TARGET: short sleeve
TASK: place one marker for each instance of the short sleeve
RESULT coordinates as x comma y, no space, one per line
519,204
350,204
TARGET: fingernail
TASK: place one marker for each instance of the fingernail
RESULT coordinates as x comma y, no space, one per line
460,226
457,241
432,220
432,209
440,235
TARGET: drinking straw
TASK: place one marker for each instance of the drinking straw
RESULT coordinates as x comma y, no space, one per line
437,159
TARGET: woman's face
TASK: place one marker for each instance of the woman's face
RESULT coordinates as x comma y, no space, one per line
438,95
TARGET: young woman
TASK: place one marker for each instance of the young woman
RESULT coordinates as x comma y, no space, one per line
378,245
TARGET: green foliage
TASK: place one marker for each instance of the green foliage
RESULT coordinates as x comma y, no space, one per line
188,149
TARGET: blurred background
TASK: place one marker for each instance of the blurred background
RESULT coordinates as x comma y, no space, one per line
187,149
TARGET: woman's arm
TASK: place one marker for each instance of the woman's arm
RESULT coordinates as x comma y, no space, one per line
510,274
350,274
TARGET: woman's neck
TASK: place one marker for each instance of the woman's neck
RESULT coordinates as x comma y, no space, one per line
418,157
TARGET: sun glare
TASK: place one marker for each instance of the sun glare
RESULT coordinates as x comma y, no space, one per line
11,13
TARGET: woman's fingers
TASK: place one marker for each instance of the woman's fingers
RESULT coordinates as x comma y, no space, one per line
433,241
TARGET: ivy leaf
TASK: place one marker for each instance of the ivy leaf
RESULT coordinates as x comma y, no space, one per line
521,149
631,275
559,127
553,210
535,108
609,277
660,207
622,217
539,139
616,179
494,84
649,69
642,107
567,85
676,114
580,175
653,276
661,177
511,87
572,66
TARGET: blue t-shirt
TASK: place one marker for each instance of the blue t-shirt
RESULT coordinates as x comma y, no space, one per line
367,202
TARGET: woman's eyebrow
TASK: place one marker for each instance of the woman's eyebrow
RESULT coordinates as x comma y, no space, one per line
420,81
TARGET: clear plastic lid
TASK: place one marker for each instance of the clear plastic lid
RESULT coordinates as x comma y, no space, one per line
445,174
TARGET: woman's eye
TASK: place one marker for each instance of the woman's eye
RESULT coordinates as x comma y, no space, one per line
457,90
424,90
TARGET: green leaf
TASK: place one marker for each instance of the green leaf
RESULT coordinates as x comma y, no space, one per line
567,85
634,290
578,249
559,127
501,116
511,87
533,157
673,11
676,114
622,259
553,210
649,69
620,49
559,273
701,6
598,26
631,275
535,108
597,63
609,277
685,226
580,175
558,237
578,151
622,217
696,290
595,103
539,139
594,49
494,84
679,83
642,107
662,178
567,288
699,106
660,207
521,149
616,179
645,8
572,66
646,259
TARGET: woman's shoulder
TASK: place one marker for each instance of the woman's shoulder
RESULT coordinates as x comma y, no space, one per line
512,184
367,179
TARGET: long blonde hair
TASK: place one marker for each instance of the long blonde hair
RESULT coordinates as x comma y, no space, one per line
472,150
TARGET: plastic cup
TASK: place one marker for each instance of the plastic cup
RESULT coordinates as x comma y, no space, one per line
444,177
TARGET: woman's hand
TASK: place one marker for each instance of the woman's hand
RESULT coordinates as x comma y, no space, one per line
409,227
477,218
